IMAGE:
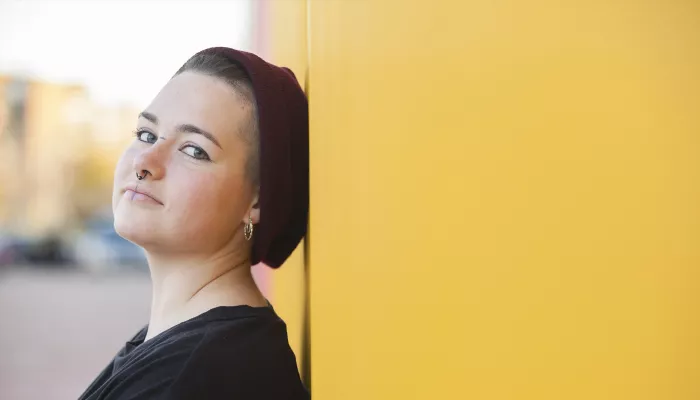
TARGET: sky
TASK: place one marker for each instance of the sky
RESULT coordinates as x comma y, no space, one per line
123,51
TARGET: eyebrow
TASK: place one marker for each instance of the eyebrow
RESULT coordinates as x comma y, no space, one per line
185,128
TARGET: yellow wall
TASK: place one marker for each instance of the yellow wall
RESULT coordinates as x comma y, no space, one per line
505,199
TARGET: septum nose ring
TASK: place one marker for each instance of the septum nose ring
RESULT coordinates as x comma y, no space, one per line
140,177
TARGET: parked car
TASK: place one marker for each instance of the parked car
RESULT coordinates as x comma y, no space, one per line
99,247
10,249
46,251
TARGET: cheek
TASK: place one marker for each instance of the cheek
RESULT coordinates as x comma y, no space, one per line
125,164
196,195
122,171
207,199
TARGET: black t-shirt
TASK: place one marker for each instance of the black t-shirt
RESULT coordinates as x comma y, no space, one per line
233,352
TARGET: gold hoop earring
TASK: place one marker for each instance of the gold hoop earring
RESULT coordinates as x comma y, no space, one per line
248,228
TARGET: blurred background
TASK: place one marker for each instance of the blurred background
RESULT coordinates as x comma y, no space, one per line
505,195
73,77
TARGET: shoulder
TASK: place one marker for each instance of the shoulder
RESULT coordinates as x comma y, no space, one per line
246,358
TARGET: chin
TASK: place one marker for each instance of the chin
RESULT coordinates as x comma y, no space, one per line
136,229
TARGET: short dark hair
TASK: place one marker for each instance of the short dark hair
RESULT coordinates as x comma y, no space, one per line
229,71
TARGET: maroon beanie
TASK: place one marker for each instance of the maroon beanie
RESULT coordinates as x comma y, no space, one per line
283,121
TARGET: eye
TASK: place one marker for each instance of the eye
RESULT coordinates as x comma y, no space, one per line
146,136
195,152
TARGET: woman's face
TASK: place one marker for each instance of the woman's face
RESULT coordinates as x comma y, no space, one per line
195,196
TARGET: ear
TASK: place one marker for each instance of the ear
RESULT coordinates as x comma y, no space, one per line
253,211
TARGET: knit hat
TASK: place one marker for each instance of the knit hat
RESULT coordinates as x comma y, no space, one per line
283,122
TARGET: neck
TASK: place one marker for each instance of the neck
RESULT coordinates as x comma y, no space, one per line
186,287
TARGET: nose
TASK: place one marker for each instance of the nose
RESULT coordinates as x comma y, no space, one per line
150,162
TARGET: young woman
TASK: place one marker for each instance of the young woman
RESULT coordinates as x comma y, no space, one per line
216,180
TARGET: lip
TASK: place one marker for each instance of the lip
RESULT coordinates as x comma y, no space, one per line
141,190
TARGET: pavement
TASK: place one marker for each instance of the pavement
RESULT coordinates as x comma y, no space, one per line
60,327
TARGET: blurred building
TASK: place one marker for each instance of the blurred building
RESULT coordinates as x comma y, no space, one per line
57,153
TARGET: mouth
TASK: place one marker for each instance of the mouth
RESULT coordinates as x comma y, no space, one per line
139,194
